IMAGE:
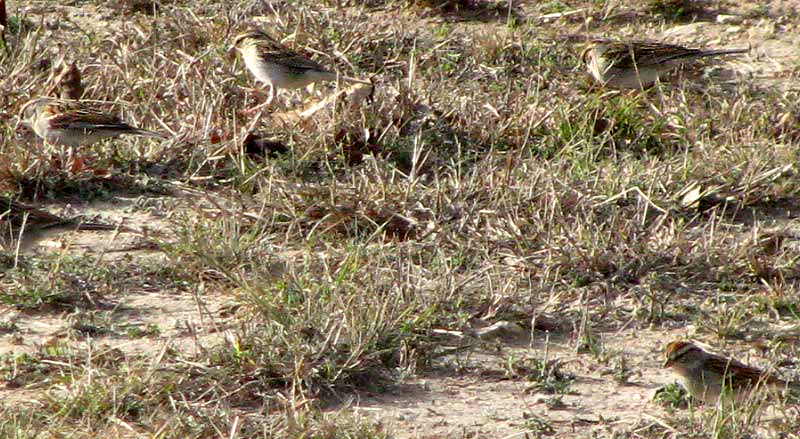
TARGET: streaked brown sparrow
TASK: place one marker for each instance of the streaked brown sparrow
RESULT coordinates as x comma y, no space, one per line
279,67
75,123
16,218
638,65
708,376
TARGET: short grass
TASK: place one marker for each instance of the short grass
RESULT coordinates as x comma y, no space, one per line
485,173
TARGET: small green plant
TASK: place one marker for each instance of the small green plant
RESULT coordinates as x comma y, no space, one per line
674,9
673,396
90,324
537,425
150,330
8,327
547,375
727,321
621,370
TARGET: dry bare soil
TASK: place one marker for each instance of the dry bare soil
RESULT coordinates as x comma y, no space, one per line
487,245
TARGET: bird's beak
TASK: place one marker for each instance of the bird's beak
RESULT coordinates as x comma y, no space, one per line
668,362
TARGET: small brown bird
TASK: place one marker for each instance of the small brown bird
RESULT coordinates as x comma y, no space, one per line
638,65
708,376
17,215
279,67
75,123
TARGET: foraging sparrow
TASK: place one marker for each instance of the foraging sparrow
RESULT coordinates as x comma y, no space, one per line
16,216
279,67
638,65
706,376
74,123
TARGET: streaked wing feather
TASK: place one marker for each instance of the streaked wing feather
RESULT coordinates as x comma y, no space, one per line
644,54
87,119
287,57
302,63
744,375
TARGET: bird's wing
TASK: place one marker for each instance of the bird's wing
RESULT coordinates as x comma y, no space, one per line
646,54
86,119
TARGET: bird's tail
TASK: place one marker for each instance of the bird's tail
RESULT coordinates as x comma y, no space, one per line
722,52
147,133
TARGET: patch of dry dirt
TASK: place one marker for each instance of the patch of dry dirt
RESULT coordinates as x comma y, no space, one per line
480,402
185,321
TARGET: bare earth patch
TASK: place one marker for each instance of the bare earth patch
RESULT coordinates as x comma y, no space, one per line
482,402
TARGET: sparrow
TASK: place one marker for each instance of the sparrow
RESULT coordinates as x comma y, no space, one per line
75,123
277,66
17,214
638,65
713,378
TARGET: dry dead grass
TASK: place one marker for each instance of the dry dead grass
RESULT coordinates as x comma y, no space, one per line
484,182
